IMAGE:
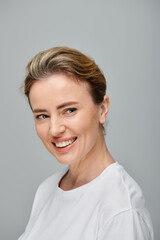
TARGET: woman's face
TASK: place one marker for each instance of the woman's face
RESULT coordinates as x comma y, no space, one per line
67,120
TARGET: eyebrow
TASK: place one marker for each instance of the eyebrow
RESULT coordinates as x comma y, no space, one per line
67,104
39,110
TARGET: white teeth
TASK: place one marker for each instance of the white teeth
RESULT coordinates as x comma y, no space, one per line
64,144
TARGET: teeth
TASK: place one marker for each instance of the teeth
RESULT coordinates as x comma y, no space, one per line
64,144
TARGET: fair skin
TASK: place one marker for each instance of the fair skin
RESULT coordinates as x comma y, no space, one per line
69,124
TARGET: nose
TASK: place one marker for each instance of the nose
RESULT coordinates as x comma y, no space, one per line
56,127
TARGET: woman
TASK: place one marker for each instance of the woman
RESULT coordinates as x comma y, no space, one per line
93,198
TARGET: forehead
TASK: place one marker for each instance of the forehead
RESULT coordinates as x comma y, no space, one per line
59,88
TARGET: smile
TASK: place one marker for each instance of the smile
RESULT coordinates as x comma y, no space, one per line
65,143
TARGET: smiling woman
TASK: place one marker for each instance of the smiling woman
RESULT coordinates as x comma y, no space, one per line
94,197
64,111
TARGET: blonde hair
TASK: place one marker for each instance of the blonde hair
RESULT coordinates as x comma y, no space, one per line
70,62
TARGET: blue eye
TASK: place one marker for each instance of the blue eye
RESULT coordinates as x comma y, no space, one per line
70,110
42,116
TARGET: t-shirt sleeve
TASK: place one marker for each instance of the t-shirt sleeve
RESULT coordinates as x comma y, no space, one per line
127,225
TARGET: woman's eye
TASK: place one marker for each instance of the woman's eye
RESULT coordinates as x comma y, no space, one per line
42,116
70,110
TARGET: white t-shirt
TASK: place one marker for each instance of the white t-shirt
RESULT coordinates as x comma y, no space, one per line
110,207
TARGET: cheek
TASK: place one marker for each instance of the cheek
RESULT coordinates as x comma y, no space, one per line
42,131
89,133
87,124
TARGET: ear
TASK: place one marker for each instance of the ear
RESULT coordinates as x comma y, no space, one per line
104,108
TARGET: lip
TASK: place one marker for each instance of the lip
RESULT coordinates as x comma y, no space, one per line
64,149
64,139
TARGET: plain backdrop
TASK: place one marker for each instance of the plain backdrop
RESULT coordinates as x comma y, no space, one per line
124,39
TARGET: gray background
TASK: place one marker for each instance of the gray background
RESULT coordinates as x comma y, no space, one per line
124,39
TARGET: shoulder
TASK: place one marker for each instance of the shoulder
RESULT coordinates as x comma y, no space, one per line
121,190
49,185
123,199
46,189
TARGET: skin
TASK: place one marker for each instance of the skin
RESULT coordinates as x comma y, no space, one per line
64,109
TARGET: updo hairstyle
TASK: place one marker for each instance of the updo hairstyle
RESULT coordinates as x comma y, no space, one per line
68,61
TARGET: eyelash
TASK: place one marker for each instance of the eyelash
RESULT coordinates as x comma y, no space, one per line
43,116
72,110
